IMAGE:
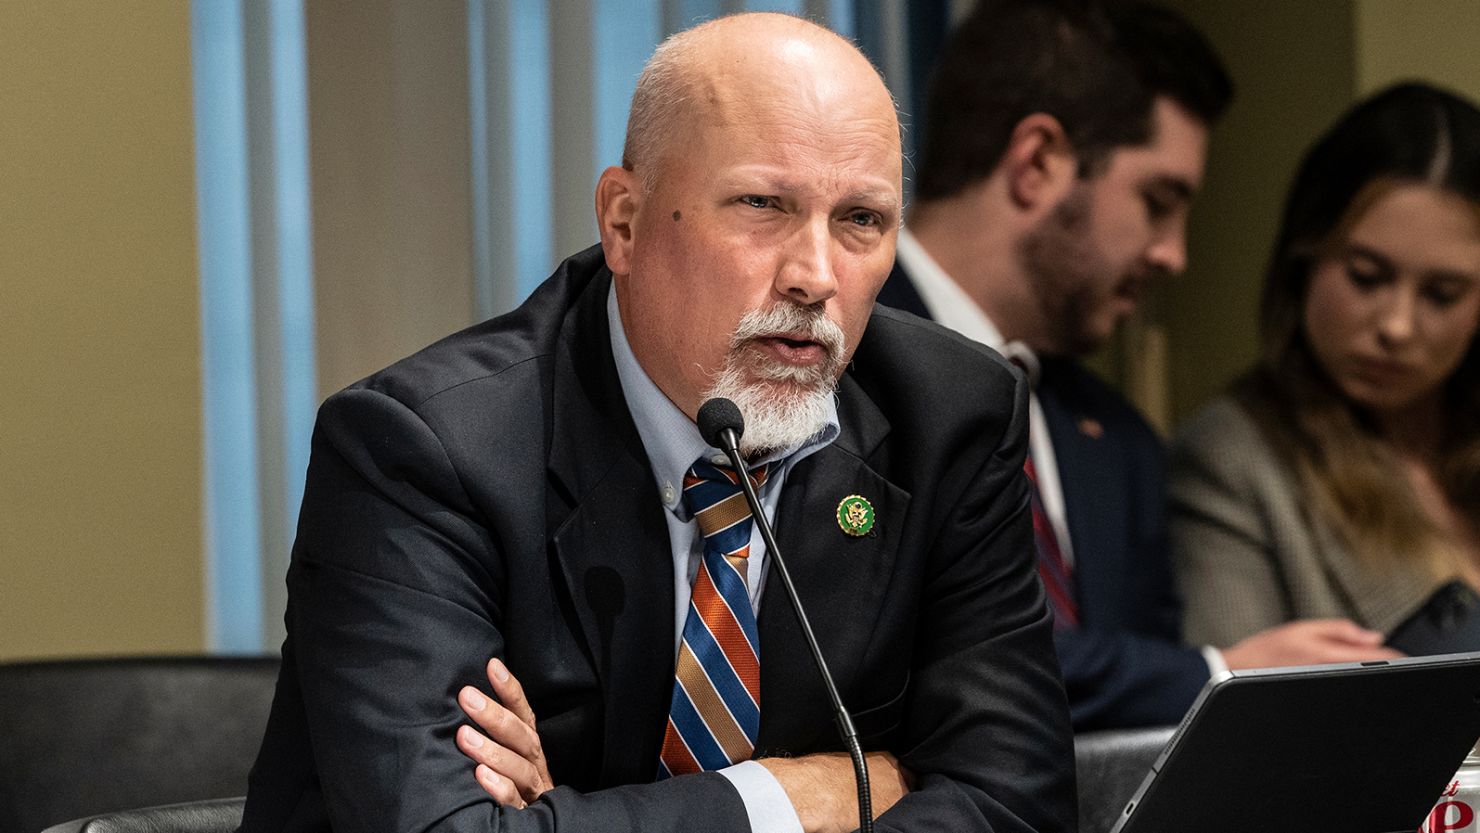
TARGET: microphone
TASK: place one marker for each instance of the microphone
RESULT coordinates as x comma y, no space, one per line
721,425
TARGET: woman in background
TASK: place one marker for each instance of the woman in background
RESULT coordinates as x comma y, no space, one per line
1340,478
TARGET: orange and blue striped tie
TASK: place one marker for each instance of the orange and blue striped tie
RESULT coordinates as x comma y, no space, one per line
715,714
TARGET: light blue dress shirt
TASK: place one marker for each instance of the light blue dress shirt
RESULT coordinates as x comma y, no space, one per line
673,444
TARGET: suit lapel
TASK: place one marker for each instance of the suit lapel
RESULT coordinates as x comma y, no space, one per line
841,580
611,541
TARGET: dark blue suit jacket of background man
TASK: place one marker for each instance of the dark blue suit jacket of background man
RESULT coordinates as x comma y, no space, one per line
490,496
1126,664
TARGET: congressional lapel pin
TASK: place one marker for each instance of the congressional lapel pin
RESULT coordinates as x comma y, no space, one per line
856,515
1091,427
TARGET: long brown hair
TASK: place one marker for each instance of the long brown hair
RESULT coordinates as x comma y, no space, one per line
1408,134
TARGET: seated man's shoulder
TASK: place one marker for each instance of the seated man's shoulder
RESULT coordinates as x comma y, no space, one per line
505,354
929,362
498,351
936,387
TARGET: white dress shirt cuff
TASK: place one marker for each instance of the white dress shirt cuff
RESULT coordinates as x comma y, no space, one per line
766,804
1214,659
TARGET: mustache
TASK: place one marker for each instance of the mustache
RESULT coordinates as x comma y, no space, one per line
793,321
1149,273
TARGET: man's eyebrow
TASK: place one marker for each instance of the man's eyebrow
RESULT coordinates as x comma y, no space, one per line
758,179
882,196
1180,187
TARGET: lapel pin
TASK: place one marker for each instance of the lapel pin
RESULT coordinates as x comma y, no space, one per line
1091,427
856,515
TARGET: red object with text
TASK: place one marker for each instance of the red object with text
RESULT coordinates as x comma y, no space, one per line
1458,808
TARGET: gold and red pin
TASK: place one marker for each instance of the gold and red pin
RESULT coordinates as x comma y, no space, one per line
1091,427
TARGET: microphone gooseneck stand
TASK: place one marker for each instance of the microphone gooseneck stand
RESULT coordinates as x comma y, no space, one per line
721,425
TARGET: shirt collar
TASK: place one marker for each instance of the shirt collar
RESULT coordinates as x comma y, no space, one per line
671,439
951,307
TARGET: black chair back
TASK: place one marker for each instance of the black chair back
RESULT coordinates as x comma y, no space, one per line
222,815
1110,766
82,737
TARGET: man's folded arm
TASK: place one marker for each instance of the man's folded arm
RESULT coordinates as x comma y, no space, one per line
393,608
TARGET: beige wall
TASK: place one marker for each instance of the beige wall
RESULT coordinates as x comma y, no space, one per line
1433,40
1294,64
391,179
100,463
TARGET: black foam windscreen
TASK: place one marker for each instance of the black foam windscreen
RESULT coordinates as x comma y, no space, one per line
715,416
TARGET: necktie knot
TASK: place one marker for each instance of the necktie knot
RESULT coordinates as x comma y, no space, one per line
714,497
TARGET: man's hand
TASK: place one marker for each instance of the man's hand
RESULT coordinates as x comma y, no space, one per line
823,792
511,761
1308,642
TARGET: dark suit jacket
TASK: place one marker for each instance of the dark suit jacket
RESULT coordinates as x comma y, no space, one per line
1126,664
490,496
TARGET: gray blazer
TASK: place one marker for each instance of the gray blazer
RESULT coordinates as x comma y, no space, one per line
1248,553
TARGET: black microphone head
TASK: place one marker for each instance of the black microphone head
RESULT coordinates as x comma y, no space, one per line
715,416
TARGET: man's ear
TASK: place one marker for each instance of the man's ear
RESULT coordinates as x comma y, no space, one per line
1039,162
618,196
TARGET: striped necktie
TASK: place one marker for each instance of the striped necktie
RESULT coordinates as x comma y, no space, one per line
715,714
1058,576
1053,568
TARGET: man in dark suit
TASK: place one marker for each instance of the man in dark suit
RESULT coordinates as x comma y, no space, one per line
1063,143
514,492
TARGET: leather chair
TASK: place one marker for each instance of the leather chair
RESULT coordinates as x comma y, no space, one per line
1111,765
82,737
222,815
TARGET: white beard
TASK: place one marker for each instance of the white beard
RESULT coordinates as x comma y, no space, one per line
776,416
783,405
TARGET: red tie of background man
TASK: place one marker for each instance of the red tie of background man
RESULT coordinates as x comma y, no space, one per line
1058,577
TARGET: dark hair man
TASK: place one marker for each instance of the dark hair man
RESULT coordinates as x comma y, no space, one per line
1062,146
535,489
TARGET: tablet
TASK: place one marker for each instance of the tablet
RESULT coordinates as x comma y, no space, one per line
1350,748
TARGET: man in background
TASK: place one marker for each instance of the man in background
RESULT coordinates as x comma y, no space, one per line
535,489
1063,143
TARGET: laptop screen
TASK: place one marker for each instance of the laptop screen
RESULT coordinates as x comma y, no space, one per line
1351,748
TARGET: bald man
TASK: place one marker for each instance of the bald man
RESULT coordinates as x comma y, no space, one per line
534,489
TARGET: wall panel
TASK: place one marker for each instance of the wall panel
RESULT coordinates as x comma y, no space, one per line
100,462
